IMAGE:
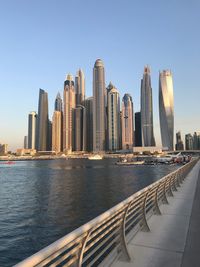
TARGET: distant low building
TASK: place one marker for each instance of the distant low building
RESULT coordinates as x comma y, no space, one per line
3,149
25,152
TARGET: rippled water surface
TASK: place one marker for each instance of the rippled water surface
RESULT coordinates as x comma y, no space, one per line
41,201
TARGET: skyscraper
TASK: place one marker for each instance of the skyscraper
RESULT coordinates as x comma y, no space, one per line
79,124
99,114
69,104
147,109
166,109
138,133
196,140
89,123
188,142
42,122
127,122
113,101
179,142
80,87
32,122
25,141
56,131
58,103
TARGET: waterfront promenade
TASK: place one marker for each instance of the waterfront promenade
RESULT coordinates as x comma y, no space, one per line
174,236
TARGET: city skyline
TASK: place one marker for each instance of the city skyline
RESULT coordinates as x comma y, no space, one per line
35,57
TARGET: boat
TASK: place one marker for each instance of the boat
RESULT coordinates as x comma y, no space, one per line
95,157
130,163
7,162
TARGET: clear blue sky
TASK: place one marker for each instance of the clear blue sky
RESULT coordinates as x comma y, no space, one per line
41,41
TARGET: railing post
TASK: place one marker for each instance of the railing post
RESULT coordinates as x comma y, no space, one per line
156,206
170,187
164,197
81,253
144,224
125,256
174,182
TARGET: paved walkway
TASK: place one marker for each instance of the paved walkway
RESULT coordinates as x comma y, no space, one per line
174,239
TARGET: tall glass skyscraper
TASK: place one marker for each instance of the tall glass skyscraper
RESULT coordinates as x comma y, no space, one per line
99,114
166,109
89,123
32,122
127,122
79,125
42,122
58,103
147,109
69,105
113,101
80,87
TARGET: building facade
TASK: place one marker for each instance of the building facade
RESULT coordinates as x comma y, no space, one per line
69,105
166,109
113,106
179,142
89,123
99,114
79,124
42,122
56,131
58,103
127,122
32,122
147,109
113,101
80,87
138,133
188,142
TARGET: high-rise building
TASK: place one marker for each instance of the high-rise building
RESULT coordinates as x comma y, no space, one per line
113,102
179,142
196,141
69,105
58,106
32,122
188,142
127,122
42,122
80,87
99,114
138,133
58,103
89,123
147,109
3,149
79,124
49,136
56,131
166,109
25,141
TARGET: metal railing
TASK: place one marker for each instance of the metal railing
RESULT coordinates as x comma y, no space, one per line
105,238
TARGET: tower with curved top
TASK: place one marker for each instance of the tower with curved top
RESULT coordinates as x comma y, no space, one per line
147,109
166,109
99,114
127,122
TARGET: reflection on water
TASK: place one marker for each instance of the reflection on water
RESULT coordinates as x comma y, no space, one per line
40,201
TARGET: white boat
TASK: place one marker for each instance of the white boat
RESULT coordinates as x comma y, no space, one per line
95,157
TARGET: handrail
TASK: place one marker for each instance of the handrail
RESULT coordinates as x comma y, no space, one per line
105,238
